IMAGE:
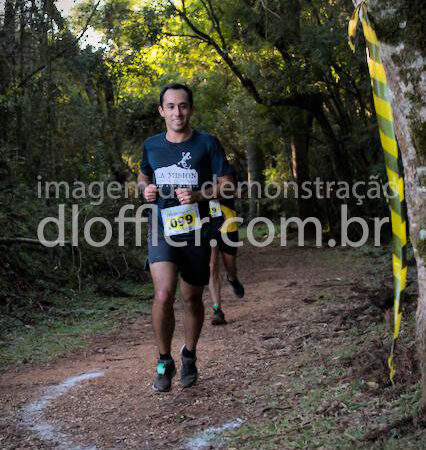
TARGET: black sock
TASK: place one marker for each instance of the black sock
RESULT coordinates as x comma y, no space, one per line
187,353
165,356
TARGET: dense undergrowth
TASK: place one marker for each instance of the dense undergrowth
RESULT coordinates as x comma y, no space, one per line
62,287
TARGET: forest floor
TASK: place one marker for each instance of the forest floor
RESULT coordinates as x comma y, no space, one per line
300,364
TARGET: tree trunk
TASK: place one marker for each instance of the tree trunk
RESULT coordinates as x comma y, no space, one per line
255,174
20,136
113,135
299,146
403,54
7,64
340,168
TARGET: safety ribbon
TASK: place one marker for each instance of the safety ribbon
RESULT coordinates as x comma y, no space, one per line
392,156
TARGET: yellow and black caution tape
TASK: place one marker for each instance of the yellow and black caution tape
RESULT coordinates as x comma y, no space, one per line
392,156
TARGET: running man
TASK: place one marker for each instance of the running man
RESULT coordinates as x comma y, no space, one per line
225,208
174,167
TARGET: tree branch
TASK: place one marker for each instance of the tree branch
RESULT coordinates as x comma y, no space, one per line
261,31
265,7
246,82
185,35
63,51
216,22
304,101
14,240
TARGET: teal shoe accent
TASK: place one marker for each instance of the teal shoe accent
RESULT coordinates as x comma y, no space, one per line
161,368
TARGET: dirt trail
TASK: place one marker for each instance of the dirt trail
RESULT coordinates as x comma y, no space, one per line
120,410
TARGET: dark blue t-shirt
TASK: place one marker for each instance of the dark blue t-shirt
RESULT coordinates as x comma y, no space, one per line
187,164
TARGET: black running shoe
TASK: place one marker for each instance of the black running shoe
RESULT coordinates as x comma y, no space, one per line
189,372
237,287
166,370
218,317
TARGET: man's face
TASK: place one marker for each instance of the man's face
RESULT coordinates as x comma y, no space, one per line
176,110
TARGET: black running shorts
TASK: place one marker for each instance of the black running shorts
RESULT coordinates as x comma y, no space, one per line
192,261
226,248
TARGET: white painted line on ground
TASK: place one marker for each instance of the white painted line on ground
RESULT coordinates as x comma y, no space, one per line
211,435
32,414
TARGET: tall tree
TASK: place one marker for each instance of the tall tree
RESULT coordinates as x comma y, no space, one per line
399,26
286,55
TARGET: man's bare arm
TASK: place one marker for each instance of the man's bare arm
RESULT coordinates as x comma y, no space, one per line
225,189
143,180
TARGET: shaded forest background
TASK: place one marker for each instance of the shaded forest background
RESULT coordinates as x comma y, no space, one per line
274,80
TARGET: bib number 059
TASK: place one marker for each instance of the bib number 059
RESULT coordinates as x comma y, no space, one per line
180,219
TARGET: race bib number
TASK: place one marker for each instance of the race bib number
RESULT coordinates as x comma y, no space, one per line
180,219
215,209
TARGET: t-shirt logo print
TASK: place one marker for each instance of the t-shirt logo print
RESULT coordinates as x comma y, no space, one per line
185,157
179,174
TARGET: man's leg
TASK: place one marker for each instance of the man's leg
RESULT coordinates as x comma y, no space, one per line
230,263
193,313
195,273
193,323
214,282
164,277
218,317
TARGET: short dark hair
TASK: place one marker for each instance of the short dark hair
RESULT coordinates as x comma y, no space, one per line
177,86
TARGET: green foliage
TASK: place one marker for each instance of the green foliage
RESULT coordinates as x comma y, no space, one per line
83,114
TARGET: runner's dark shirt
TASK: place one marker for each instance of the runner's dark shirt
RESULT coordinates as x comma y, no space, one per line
187,164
